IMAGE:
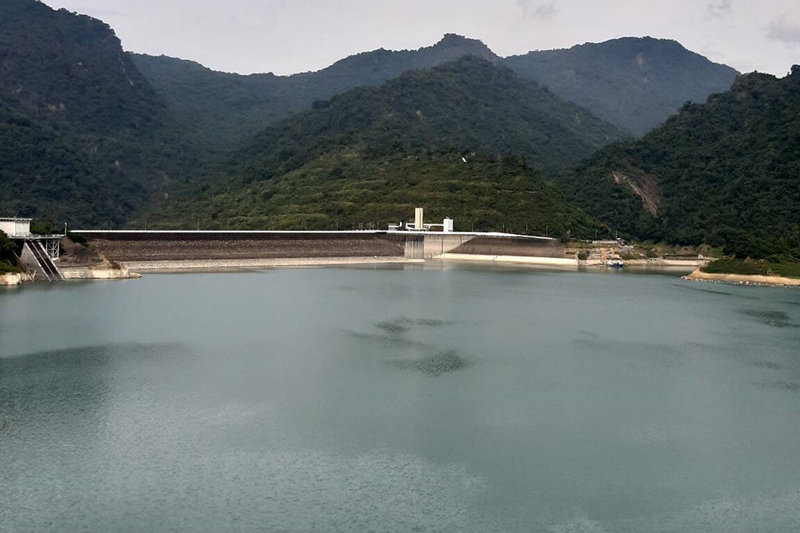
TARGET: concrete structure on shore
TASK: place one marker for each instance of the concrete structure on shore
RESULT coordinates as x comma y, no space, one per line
15,227
38,251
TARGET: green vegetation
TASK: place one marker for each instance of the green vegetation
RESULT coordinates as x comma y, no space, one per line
221,111
724,173
463,108
468,105
78,239
8,260
82,135
634,83
345,189
731,265
631,82
39,227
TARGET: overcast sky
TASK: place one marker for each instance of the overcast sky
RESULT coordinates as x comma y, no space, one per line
288,36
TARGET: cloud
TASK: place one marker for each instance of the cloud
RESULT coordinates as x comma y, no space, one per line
721,10
541,10
785,29
712,53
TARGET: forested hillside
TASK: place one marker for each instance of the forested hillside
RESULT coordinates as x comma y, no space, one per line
45,175
347,189
469,104
725,173
634,83
222,111
84,136
71,70
464,107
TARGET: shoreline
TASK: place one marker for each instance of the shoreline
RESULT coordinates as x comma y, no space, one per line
135,269
559,262
12,279
245,265
743,279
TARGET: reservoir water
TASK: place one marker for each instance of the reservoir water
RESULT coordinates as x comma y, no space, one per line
400,399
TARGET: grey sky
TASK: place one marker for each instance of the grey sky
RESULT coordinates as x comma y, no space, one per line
287,36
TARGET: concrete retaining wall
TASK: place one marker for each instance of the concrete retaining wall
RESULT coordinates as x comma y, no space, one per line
186,246
491,245
97,273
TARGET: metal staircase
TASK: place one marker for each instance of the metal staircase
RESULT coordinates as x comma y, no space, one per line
45,265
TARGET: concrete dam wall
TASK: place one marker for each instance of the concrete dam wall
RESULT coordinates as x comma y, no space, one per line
511,246
184,250
124,246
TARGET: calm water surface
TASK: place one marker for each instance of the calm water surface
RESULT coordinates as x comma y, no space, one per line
443,399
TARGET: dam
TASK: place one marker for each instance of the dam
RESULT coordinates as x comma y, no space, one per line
115,254
141,249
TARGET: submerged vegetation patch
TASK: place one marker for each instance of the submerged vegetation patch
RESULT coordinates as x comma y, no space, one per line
767,364
434,365
777,319
397,340
784,385
403,324
392,326
430,360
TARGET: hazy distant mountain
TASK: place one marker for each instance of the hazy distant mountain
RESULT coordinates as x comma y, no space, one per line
726,173
223,111
634,83
466,106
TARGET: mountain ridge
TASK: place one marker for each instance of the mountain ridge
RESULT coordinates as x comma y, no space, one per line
633,82
238,106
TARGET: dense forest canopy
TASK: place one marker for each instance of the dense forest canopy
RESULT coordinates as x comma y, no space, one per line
83,136
726,173
346,188
222,111
469,104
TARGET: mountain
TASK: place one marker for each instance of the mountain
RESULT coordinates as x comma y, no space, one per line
223,111
726,173
71,70
469,105
85,137
633,83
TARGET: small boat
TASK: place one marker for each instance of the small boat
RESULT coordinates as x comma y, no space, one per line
614,262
